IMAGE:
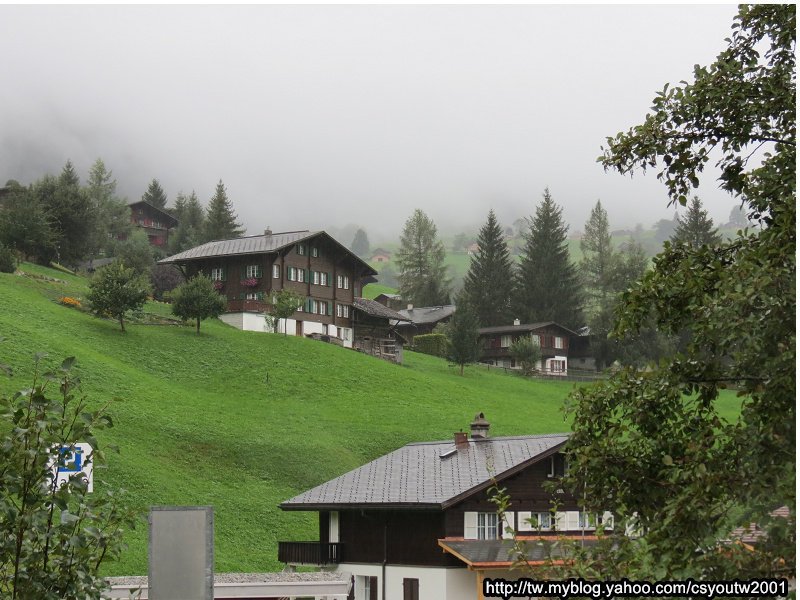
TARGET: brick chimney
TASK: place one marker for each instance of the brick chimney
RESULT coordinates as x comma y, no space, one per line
479,428
268,231
461,440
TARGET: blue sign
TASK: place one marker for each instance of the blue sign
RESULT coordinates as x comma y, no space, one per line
75,465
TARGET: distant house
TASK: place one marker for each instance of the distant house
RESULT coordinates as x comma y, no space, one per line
473,248
553,340
375,330
155,222
313,264
393,301
423,319
380,255
418,522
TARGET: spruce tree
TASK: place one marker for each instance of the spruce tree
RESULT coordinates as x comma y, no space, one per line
547,287
599,261
490,279
696,228
220,219
191,222
463,341
423,275
155,195
360,245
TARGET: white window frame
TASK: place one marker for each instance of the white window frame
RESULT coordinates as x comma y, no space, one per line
217,273
315,277
314,251
252,271
251,296
323,278
487,525
537,341
276,271
506,341
558,342
301,249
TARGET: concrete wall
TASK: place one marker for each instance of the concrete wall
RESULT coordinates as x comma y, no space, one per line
249,321
434,582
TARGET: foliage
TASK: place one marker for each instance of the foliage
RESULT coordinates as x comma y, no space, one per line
653,447
738,216
463,341
490,278
284,304
434,344
526,353
696,227
360,245
8,262
55,537
197,299
598,263
163,279
113,216
174,445
664,229
191,222
547,287
25,225
137,253
155,195
423,275
116,290
220,218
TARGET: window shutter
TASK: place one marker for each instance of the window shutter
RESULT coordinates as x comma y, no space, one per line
329,308
259,272
470,526
573,520
560,521
308,304
523,521
241,296
507,524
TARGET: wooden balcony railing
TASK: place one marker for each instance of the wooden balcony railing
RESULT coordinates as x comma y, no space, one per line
247,306
309,553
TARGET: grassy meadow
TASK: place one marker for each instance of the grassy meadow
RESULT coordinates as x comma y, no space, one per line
243,420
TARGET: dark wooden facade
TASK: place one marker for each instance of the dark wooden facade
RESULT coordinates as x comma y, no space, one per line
493,348
155,222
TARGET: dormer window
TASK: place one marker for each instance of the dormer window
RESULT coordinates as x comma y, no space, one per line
558,465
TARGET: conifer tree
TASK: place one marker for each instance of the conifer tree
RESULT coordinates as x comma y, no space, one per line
113,215
423,275
490,279
599,261
463,341
191,222
547,287
155,195
696,228
360,245
220,219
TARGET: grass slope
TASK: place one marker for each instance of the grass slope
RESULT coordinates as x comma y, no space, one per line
243,421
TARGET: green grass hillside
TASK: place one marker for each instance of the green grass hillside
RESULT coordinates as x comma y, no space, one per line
243,421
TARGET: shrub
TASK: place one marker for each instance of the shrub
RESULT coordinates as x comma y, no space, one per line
526,353
8,263
197,299
434,344
116,290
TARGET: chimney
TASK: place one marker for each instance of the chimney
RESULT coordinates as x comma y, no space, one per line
410,307
479,427
268,231
461,440
516,322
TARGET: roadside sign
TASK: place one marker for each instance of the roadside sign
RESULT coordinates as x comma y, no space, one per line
75,459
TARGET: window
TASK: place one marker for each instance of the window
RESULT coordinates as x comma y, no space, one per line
295,274
505,341
558,465
343,282
319,278
559,342
487,526
314,251
584,520
251,296
301,249
542,520
366,587
276,271
217,274
252,271
536,340
343,310
410,589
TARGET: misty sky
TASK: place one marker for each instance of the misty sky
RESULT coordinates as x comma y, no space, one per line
320,116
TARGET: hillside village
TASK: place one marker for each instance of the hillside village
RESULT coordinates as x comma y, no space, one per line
196,408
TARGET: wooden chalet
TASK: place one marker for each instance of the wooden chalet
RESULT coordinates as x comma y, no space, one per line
155,222
248,270
374,330
553,340
422,319
418,522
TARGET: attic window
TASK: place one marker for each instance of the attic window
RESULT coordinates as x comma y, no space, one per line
448,453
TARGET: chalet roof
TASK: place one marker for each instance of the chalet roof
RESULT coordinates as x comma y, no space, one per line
420,315
376,309
502,553
256,244
378,251
161,211
524,327
433,475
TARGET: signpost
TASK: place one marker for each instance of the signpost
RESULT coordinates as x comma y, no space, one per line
75,459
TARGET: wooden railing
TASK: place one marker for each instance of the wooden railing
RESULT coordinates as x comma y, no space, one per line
247,306
309,553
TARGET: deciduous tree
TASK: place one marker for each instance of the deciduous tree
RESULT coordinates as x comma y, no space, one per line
423,275
490,279
197,299
116,290
283,305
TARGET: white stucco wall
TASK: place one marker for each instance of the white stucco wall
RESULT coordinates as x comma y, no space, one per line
435,583
249,321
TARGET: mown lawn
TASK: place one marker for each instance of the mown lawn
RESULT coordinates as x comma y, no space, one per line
243,421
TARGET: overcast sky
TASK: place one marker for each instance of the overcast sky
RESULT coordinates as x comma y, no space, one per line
320,116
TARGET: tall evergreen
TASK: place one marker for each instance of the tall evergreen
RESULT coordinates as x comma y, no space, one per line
599,261
547,287
490,279
155,195
463,341
696,228
423,275
113,215
360,245
191,222
68,175
220,219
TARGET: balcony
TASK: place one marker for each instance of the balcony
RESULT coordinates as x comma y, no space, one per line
309,553
247,306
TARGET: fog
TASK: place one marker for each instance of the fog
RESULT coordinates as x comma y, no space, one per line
323,116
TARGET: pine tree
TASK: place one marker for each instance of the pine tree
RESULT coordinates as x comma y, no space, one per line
360,245
220,219
423,275
598,264
68,175
463,341
155,195
490,279
696,228
547,287
191,222
113,214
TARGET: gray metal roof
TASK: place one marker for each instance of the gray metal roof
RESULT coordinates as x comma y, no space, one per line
253,244
428,314
428,474
376,309
521,328
505,551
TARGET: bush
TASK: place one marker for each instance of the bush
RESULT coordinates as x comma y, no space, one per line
434,344
116,290
526,353
164,278
8,263
197,299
